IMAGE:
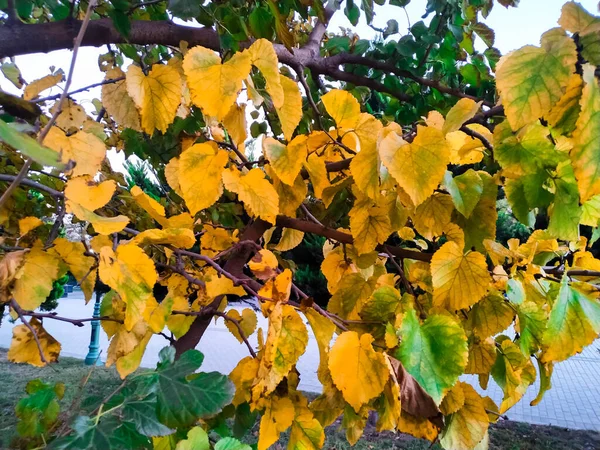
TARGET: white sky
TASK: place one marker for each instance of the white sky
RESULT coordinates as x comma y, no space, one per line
514,27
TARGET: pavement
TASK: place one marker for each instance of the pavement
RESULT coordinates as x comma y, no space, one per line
573,402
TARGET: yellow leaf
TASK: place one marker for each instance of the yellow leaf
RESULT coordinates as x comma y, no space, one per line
102,225
148,204
564,114
214,86
482,355
286,341
235,124
323,330
71,116
277,289
243,376
584,155
406,233
418,427
277,418
33,89
263,57
9,268
350,295
432,217
156,314
290,239
80,265
389,406
258,195
290,112
357,370
286,160
221,285
24,348
85,149
335,267
317,171
200,168
178,237
370,225
26,224
354,423
264,264
118,102
418,167
215,239
462,111
532,79
247,321
490,316
468,426
453,400
172,175
85,192
343,107
365,166
459,280
127,347
33,281
131,273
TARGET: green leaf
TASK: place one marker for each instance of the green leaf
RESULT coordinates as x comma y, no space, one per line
352,12
261,23
465,190
486,34
367,7
28,146
142,413
38,411
382,304
185,9
183,396
391,28
231,444
244,420
109,434
564,218
121,21
197,439
434,352
532,324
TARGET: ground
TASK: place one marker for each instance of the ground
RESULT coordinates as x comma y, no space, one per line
506,435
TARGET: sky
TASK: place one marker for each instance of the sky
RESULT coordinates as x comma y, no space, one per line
514,28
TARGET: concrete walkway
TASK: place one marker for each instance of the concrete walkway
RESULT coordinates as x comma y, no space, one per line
573,401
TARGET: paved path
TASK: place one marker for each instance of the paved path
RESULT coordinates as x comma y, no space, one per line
573,401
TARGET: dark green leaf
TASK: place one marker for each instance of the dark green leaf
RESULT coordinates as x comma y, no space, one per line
185,9
367,7
400,3
392,28
121,22
184,396
486,34
352,12
244,420
142,413
261,23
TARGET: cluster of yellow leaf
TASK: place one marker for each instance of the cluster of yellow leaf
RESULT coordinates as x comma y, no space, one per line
403,338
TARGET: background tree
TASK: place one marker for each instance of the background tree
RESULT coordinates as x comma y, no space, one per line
391,154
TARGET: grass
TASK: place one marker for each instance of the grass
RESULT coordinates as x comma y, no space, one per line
505,435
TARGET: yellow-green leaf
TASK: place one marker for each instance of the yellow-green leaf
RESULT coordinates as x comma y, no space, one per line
33,281
574,321
277,418
532,79
80,265
462,111
459,280
434,352
418,167
343,107
468,426
131,273
370,225
286,341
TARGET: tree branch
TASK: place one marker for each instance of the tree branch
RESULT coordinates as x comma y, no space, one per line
20,313
77,91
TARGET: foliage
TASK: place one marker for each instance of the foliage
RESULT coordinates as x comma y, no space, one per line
394,151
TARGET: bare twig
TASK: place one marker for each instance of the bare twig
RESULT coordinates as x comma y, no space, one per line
28,162
310,215
240,330
76,91
76,322
20,313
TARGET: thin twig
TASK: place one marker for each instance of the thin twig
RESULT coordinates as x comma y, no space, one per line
240,330
77,91
76,322
20,313
310,215
28,162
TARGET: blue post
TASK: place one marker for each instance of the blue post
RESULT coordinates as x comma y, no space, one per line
93,356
